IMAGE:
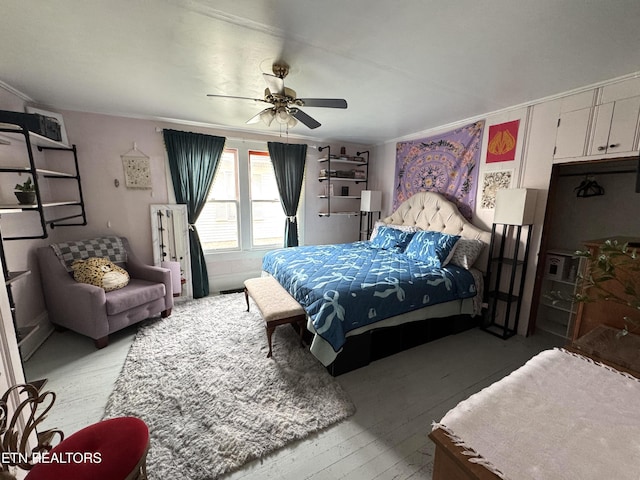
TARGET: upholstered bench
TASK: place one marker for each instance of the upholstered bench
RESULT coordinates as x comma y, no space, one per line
276,306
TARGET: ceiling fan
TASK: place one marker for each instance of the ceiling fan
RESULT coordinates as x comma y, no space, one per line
285,106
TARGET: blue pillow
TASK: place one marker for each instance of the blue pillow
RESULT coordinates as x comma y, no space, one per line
391,239
432,248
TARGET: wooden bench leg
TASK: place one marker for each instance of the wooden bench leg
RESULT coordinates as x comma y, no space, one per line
246,297
301,327
270,330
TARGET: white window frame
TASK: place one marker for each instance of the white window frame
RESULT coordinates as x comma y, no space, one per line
245,223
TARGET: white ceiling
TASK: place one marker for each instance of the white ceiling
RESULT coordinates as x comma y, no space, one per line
403,66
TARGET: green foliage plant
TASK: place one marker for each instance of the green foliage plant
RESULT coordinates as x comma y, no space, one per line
27,186
614,268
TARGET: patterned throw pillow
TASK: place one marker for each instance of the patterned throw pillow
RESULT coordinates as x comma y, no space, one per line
466,252
110,247
100,272
402,228
391,239
432,248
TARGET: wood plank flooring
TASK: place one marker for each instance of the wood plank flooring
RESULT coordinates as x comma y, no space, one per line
397,399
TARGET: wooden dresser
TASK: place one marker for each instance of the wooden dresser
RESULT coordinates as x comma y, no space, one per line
600,312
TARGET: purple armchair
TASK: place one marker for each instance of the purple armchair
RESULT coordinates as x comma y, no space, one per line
89,310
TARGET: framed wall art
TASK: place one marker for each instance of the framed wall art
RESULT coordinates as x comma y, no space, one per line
492,181
503,139
137,169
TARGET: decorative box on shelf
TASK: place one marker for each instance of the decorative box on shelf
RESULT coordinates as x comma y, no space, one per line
554,266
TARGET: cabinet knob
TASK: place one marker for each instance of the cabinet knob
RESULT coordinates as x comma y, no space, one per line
614,145
601,148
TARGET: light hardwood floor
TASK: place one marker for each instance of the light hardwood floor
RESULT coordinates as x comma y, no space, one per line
397,399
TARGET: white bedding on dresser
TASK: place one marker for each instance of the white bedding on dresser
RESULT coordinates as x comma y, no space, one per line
560,416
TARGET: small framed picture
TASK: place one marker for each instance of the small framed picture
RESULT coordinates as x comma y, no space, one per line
493,181
328,190
57,116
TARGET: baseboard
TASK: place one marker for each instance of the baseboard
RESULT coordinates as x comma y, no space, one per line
233,290
31,344
230,282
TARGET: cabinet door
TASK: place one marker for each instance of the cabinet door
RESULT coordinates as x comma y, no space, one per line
571,137
624,125
615,128
602,118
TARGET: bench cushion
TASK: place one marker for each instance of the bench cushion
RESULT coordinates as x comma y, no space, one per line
272,299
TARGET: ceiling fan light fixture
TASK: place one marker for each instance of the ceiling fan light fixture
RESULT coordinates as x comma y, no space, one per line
267,116
283,102
282,115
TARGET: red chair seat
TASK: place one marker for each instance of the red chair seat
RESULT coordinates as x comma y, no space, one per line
109,450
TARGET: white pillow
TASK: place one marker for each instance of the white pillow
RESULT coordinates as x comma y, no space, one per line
466,252
402,228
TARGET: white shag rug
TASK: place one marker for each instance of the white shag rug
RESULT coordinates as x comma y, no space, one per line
201,381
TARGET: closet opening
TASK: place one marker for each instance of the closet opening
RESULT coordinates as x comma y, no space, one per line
588,201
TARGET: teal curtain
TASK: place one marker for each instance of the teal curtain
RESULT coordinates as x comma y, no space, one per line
193,159
288,164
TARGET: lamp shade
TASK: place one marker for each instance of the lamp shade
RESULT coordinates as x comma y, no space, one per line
515,206
370,201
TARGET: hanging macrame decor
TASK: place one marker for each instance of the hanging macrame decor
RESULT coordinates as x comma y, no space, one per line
137,169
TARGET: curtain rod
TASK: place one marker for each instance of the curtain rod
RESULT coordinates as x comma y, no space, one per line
241,139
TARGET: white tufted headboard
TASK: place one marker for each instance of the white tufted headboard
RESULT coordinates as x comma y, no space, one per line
431,211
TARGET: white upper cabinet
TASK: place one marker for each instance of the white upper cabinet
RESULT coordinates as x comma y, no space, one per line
620,90
571,138
607,126
616,124
573,125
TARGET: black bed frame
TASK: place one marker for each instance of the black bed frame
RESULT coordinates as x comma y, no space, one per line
360,350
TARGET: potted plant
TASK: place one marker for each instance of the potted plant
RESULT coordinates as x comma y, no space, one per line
26,192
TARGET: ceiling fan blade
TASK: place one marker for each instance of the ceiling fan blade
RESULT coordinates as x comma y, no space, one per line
238,98
275,84
324,102
256,118
304,118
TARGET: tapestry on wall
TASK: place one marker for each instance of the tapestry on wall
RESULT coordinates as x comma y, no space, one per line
446,164
503,138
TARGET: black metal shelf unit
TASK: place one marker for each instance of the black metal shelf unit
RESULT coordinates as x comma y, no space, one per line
501,293
331,179
14,129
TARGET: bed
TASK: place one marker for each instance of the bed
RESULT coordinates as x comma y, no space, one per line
424,261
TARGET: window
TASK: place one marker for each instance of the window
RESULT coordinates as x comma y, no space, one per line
243,209
267,216
217,225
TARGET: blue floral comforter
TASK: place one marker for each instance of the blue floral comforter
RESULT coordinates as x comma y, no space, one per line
344,287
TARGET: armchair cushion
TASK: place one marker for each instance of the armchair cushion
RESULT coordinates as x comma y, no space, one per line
138,292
